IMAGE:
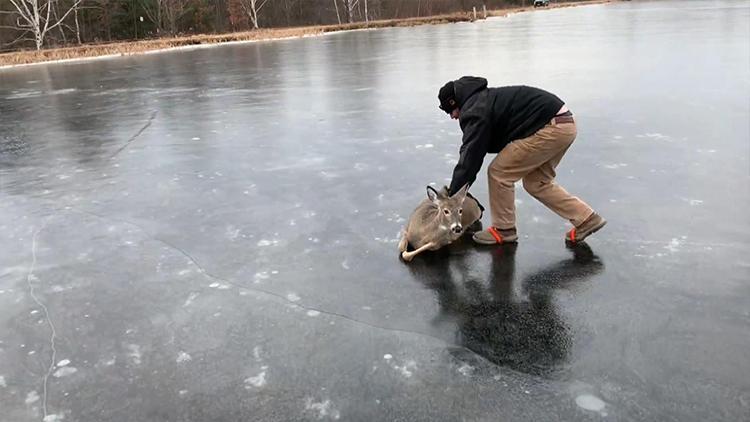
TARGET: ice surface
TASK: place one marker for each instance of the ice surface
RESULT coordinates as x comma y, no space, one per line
236,259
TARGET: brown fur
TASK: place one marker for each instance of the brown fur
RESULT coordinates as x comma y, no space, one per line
429,228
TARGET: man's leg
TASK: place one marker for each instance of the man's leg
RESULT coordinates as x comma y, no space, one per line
540,183
502,175
514,162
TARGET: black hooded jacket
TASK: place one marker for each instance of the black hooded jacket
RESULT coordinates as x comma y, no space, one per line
490,118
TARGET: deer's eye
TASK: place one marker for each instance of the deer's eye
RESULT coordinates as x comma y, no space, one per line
446,212
460,211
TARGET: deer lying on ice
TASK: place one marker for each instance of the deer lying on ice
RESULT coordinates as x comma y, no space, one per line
438,221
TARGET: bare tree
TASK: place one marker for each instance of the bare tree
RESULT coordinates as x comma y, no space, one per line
252,7
165,13
153,11
37,18
78,27
338,17
350,5
173,11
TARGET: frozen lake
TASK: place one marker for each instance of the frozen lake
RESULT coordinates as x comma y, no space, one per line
210,235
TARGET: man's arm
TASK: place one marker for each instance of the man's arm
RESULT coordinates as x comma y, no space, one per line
473,149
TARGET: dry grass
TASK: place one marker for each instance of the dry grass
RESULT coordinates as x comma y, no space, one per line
135,47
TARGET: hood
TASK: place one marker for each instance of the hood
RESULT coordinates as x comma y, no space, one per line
468,86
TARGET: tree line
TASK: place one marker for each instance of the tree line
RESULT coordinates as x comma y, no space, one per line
55,23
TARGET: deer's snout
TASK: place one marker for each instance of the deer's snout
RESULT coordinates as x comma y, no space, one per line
456,228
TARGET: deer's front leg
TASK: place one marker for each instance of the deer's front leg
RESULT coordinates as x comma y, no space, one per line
408,256
403,244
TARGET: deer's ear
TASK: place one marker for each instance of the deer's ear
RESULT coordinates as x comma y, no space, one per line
461,194
432,194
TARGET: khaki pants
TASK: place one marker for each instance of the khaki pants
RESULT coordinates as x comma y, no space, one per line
534,159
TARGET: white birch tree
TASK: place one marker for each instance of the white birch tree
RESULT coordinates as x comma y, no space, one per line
338,17
350,5
38,17
252,8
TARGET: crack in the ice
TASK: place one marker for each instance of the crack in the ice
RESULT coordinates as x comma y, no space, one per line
53,335
133,138
203,271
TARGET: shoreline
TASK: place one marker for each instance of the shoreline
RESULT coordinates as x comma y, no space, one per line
90,52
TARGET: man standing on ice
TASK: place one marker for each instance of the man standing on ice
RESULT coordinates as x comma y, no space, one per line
530,130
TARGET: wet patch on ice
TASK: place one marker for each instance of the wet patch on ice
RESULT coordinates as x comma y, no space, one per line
64,362
614,166
266,242
323,409
693,202
183,357
313,313
260,276
190,299
135,353
406,370
258,380
675,244
232,233
590,402
220,286
53,418
328,175
466,370
2,382
292,297
389,240
64,372
654,136
32,397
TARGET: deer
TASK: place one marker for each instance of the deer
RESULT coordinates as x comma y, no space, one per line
438,221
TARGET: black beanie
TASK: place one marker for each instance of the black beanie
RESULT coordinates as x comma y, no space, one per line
447,97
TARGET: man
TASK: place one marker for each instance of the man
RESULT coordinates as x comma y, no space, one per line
530,129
